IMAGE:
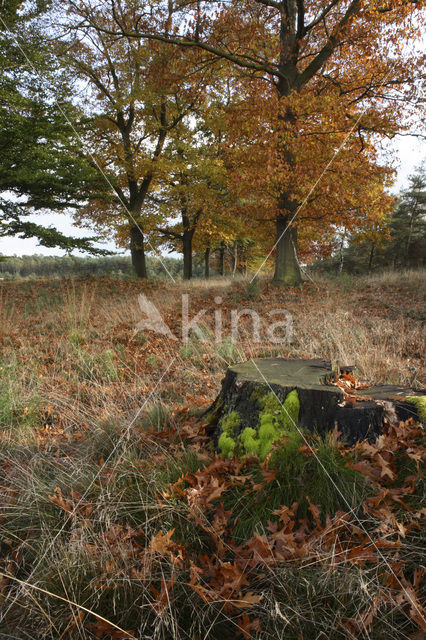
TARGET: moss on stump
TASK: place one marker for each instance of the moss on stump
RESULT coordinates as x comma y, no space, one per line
265,399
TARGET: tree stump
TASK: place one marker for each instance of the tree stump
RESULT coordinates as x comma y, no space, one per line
250,386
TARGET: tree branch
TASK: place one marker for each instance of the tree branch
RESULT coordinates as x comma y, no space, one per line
327,50
322,15
169,233
270,3
239,60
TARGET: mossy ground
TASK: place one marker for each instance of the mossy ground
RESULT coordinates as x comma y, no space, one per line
275,420
321,476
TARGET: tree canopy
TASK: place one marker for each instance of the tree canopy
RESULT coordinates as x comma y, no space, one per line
198,125
42,166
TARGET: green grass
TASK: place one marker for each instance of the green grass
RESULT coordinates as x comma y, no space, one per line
157,416
324,477
119,483
94,557
96,367
21,406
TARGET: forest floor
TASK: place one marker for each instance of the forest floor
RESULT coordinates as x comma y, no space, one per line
118,521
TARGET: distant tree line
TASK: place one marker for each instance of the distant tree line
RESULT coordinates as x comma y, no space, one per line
401,244
227,259
38,266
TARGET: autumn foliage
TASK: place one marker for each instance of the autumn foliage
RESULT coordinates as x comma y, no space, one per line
193,126
306,92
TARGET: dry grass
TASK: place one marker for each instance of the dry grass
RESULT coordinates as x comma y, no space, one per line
78,337
86,406
411,278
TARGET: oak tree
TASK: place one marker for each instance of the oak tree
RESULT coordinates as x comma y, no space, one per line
136,94
343,55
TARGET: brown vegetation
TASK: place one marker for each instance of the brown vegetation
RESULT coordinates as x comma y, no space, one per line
117,521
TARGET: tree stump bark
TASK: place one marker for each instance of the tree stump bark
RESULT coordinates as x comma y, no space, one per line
322,404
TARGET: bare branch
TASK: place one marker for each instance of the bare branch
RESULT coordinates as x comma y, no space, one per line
270,3
322,15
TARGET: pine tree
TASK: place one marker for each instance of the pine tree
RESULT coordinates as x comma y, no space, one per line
408,225
41,164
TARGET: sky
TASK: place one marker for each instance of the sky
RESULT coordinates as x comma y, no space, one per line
409,153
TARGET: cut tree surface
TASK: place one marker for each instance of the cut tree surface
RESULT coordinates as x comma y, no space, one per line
323,405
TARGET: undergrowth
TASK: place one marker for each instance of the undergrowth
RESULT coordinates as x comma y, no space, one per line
118,520
165,541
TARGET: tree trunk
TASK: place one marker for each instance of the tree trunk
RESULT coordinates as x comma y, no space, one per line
287,270
408,241
207,263
242,267
137,251
187,253
370,260
222,259
341,257
248,385
234,258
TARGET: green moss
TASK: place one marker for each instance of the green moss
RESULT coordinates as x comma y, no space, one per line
226,445
250,442
274,422
260,442
420,403
290,411
268,428
272,426
269,432
270,403
230,422
257,395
